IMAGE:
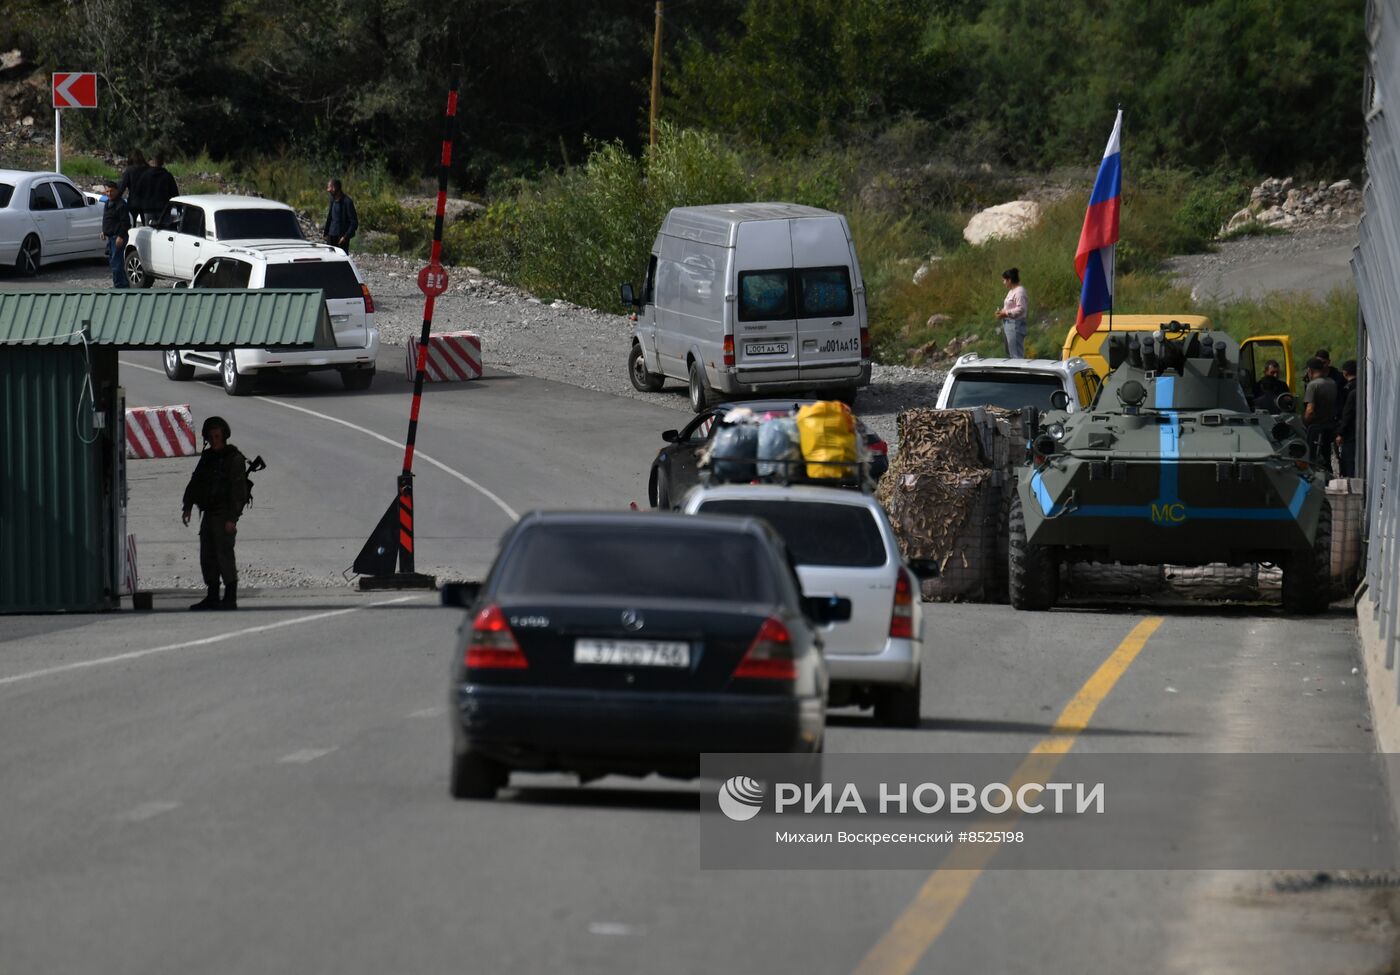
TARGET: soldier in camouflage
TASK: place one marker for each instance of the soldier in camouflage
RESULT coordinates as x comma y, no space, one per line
219,487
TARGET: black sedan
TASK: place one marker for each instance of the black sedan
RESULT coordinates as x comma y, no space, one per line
676,468
608,643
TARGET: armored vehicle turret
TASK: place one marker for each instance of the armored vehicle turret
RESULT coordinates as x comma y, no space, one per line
1169,466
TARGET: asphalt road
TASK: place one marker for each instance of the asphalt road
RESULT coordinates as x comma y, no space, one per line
266,790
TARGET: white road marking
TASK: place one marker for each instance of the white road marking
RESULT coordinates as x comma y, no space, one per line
614,929
203,642
147,810
427,459
304,755
428,713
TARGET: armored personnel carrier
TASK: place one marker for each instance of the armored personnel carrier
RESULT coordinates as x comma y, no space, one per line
1169,466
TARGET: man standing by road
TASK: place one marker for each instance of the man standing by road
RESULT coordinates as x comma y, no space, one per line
159,188
341,221
1320,413
116,224
1330,371
220,487
1013,314
1346,427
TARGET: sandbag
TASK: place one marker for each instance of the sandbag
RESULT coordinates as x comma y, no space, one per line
734,451
827,433
779,448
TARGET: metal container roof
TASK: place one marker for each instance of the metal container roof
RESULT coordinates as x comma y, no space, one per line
166,317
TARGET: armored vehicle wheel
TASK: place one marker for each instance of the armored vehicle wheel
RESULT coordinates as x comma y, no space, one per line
1307,574
1033,572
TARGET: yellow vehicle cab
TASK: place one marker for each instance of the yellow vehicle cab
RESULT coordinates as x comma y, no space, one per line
1254,351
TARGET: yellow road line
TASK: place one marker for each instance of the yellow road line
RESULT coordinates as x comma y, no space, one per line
907,941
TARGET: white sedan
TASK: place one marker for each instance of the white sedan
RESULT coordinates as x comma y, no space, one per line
44,219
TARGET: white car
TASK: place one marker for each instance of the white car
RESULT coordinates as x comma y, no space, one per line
288,265
842,544
190,229
45,219
1016,383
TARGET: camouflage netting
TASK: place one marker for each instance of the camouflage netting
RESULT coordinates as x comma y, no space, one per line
943,497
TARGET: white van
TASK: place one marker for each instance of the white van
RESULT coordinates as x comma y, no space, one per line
751,299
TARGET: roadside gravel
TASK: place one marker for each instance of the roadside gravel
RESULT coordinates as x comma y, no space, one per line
569,344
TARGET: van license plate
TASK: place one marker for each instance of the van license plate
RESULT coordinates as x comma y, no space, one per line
632,653
766,348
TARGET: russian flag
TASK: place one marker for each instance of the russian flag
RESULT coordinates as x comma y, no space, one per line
1093,259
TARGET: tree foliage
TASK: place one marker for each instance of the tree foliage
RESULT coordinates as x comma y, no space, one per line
1253,85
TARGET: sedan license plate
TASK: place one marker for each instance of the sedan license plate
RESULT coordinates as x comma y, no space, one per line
632,653
766,348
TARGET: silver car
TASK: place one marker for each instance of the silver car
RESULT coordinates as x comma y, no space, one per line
842,544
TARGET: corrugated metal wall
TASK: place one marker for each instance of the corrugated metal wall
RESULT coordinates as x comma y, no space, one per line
52,531
1377,267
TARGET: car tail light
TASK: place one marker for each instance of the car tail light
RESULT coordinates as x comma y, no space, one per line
493,645
902,616
369,299
878,446
729,350
769,657
865,343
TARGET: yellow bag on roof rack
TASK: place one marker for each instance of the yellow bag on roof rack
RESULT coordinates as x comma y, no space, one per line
827,431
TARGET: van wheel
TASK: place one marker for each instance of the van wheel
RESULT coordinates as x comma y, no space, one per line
701,395
235,383
847,395
643,381
175,369
898,707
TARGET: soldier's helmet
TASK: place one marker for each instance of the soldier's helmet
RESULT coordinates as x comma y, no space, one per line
216,423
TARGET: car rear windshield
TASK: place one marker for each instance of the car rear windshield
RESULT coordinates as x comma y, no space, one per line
765,296
650,561
824,292
1006,390
816,533
257,225
336,278
6,191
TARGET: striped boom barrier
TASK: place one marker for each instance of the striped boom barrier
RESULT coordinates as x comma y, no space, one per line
452,357
160,431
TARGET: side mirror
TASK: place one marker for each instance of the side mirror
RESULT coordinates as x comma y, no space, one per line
629,297
924,568
1059,399
827,609
460,594
671,436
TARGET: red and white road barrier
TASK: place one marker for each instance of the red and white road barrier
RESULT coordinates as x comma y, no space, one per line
160,431
452,357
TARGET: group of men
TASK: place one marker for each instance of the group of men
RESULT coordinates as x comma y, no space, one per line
1329,412
139,196
1329,408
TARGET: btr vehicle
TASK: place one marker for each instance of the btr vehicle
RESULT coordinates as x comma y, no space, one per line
1169,466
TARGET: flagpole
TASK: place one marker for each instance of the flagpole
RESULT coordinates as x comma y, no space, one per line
1113,285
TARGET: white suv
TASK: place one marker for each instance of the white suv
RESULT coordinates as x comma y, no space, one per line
1016,383
289,265
842,544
